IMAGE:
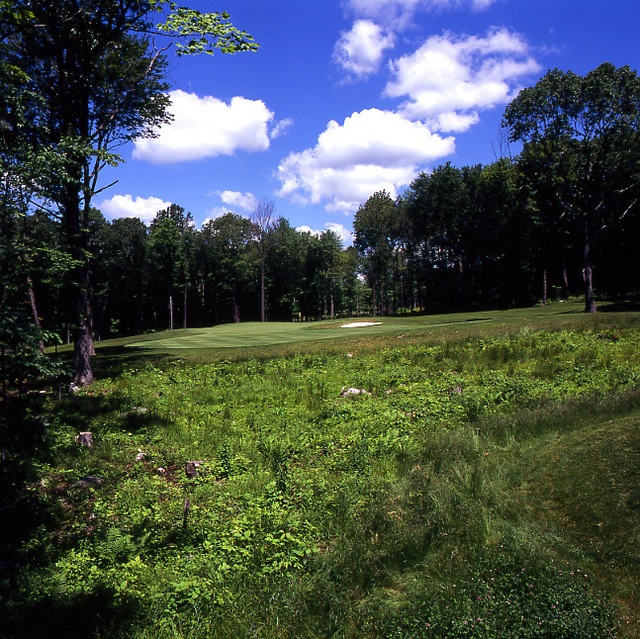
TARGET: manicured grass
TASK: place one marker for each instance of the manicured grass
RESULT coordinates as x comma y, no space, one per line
257,334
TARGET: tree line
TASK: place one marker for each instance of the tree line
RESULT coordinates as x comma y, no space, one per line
170,274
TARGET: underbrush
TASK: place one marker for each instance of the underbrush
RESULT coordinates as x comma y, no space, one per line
413,490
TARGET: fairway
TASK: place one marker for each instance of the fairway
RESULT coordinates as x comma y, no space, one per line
271,333
259,334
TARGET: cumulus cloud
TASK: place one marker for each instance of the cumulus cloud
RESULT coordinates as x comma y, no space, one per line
360,50
236,199
372,150
204,127
126,206
449,79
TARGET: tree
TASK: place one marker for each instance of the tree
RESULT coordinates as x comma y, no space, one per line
120,271
438,206
581,152
224,246
284,270
263,221
99,82
170,245
331,250
373,237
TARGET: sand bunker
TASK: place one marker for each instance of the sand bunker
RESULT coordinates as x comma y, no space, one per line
359,324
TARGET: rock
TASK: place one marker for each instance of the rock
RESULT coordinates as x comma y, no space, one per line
350,392
89,481
192,468
85,439
140,456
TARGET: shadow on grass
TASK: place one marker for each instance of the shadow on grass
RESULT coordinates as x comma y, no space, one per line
112,361
625,306
78,617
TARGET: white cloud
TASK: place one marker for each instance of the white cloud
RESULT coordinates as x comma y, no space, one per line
125,206
344,233
449,79
207,127
280,128
372,150
244,201
360,50
400,12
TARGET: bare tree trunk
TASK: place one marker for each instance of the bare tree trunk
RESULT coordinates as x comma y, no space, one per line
34,310
82,337
170,312
544,287
373,289
461,284
263,219
184,323
589,300
565,280
263,314
236,308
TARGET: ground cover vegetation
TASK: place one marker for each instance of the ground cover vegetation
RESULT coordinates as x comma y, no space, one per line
456,479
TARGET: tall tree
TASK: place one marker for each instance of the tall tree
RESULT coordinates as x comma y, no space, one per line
263,221
284,270
169,235
581,151
120,273
100,82
373,237
224,246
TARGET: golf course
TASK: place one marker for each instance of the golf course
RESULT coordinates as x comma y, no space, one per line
453,475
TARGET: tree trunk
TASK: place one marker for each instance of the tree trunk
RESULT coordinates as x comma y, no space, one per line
565,280
263,315
589,300
34,310
373,289
544,287
77,236
184,322
170,312
461,284
236,308
83,347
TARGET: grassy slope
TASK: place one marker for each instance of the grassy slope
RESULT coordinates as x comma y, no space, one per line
569,477
585,486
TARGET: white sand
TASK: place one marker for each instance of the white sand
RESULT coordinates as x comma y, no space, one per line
359,324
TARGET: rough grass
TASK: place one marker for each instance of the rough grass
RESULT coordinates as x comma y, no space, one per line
491,464
585,486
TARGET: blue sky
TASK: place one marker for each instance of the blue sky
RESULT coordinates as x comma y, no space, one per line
348,97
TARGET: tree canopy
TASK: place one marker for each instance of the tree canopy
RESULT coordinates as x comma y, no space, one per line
93,71
580,155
